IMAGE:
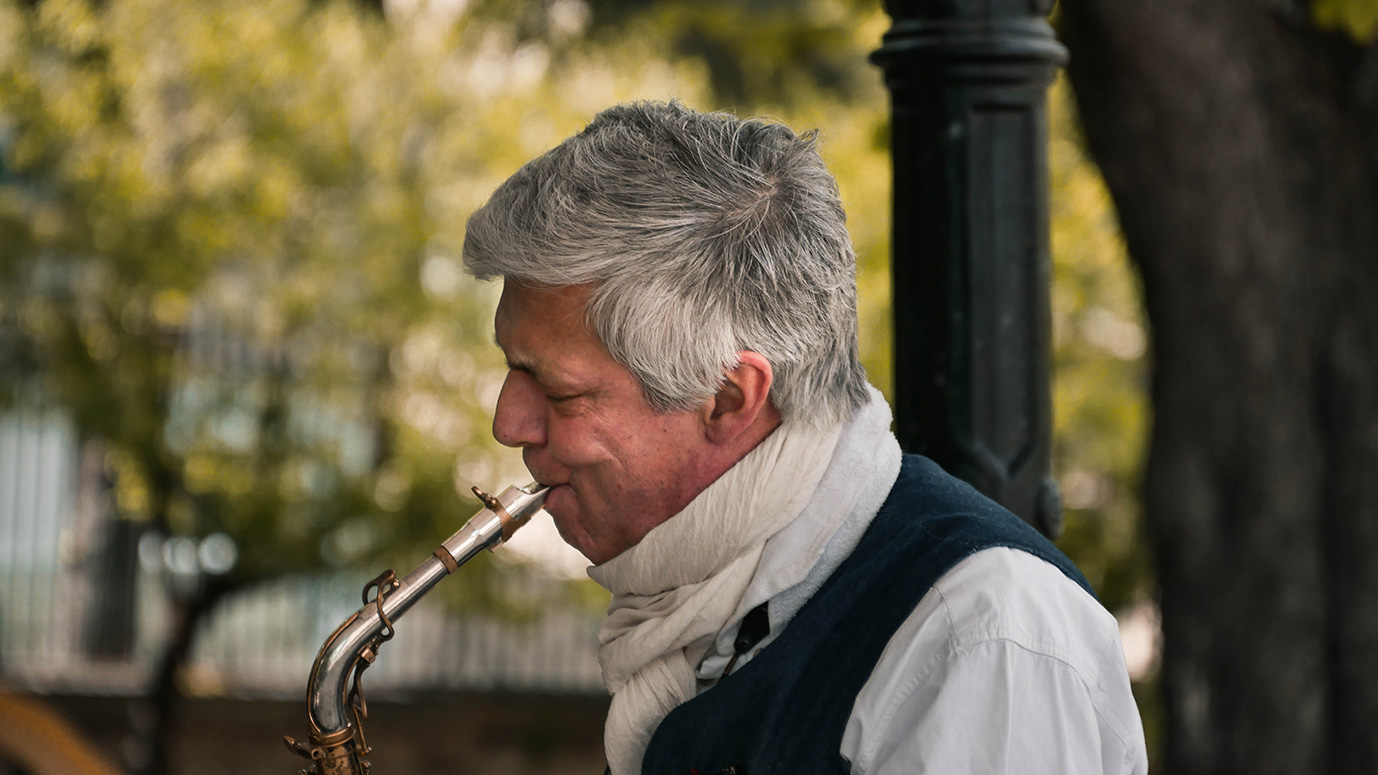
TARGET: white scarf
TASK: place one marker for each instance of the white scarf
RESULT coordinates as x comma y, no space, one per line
669,603
798,559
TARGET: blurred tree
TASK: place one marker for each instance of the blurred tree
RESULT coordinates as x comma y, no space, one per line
231,236
1240,141
1100,405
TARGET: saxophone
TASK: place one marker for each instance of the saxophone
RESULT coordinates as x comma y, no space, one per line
335,704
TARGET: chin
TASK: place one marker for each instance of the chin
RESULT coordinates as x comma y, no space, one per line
564,511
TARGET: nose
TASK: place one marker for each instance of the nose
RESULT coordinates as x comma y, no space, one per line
518,420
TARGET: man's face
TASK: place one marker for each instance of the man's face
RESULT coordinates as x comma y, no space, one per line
618,468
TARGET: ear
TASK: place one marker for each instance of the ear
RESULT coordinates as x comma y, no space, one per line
742,405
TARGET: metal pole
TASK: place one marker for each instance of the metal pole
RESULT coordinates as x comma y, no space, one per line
970,262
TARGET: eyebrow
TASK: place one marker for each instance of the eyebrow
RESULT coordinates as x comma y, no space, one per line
517,363
526,365
523,366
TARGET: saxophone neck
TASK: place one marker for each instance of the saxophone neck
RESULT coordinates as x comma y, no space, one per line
336,744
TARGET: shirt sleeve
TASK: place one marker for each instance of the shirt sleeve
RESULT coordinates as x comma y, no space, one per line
1005,666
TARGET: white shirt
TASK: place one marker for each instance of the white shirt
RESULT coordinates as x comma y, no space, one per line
1004,666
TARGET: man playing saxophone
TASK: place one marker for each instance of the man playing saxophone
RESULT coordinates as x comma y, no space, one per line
790,592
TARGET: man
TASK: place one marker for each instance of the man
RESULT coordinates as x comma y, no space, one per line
790,593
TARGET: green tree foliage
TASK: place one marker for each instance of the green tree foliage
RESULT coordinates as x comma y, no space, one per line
1101,409
231,238
229,241
1100,405
293,177
1356,18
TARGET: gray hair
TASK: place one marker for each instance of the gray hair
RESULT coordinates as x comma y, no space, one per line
704,235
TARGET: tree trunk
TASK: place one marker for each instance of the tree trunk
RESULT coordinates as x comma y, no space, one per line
1241,148
164,692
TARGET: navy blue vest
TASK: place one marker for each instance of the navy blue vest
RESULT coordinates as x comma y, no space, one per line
785,711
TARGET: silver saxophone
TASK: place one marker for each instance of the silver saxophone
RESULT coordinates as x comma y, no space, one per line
335,704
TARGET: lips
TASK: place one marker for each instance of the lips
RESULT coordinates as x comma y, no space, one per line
558,492
563,509
542,477
550,484
554,486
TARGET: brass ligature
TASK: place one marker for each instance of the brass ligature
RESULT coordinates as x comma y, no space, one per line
335,704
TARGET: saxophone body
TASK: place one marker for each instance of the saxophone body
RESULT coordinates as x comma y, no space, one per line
334,696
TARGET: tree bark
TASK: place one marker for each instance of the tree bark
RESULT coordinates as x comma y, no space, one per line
164,693
1241,148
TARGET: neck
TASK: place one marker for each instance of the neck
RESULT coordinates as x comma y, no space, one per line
727,455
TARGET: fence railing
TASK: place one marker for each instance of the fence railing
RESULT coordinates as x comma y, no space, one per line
75,621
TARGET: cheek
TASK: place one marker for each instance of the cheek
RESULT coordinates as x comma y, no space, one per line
659,459
574,441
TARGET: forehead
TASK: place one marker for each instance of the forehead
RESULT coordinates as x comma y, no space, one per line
544,329
525,307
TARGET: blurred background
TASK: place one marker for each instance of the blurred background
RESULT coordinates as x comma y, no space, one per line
242,370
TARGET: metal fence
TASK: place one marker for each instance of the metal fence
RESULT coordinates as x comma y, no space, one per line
80,613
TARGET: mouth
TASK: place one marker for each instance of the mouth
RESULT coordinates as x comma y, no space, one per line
538,474
550,484
556,486
557,497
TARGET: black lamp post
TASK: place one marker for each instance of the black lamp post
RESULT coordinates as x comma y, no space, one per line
970,262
